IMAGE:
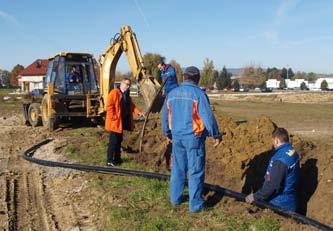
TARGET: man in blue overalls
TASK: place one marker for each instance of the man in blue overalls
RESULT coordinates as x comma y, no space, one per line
187,120
168,74
280,186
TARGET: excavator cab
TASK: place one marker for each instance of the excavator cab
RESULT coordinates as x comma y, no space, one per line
71,74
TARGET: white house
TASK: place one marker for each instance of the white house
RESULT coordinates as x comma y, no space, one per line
293,84
296,84
272,83
31,77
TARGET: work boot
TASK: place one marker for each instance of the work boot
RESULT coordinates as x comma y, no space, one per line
110,164
117,159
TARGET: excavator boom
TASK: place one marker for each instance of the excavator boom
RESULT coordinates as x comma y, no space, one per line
126,42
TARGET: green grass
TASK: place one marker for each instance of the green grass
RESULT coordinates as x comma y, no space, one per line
139,204
261,224
142,204
6,90
135,203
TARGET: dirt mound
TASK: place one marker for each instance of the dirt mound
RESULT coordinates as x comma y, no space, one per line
238,163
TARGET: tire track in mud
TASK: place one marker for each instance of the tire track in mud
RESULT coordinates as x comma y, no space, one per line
25,203
24,200
11,200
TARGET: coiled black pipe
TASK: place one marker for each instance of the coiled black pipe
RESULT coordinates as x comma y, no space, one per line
28,155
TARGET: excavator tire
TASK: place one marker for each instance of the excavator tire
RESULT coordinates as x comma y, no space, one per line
34,115
48,122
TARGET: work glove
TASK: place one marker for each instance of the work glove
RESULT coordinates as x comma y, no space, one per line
249,198
217,141
169,138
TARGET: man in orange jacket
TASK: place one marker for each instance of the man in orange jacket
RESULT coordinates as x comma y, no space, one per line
119,117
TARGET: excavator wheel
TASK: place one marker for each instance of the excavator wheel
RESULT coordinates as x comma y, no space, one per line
48,122
34,115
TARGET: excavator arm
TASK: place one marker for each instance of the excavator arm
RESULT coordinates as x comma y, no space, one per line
126,42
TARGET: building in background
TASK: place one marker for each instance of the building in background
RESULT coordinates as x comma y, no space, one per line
272,83
296,84
31,78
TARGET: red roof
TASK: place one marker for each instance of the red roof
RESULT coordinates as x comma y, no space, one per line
39,67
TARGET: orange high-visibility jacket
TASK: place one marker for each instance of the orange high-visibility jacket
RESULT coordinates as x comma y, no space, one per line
113,120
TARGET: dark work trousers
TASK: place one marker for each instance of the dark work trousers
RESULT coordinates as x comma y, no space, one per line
114,146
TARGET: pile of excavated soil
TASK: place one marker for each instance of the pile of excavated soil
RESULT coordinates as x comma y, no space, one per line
238,163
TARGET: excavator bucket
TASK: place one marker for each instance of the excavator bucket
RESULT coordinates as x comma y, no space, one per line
152,94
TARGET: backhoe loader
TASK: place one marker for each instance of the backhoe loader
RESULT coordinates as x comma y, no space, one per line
63,99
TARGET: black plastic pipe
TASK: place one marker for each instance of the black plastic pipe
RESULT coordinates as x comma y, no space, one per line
28,155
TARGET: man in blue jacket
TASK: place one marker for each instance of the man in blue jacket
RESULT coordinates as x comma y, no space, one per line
168,74
74,76
186,120
280,186
73,79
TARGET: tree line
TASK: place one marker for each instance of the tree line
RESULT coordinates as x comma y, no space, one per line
250,76
9,78
209,75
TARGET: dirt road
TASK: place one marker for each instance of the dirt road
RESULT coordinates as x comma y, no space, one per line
31,197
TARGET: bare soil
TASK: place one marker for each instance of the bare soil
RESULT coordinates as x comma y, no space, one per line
33,197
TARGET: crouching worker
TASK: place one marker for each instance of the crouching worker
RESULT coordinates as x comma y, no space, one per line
119,117
280,185
186,120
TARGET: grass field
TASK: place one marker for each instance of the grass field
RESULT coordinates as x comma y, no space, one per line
315,120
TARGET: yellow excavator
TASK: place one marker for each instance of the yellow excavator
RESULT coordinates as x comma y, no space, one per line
85,97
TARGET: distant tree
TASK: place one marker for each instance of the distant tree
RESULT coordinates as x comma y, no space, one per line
14,74
151,61
252,76
324,85
311,76
290,73
179,71
128,74
236,85
300,75
4,78
284,73
215,75
303,86
263,85
268,70
273,73
224,79
207,73
282,84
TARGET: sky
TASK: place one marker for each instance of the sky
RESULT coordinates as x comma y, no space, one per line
233,33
